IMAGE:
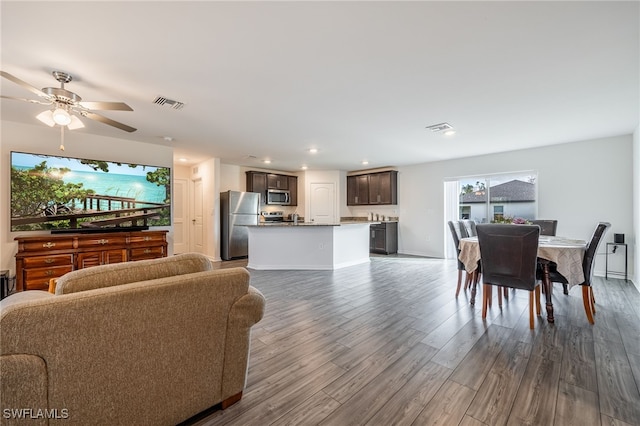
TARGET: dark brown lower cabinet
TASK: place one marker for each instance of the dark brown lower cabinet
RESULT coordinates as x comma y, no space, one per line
384,238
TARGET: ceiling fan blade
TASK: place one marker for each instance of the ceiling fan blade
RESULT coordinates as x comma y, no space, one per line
110,122
33,101
113,106
24,84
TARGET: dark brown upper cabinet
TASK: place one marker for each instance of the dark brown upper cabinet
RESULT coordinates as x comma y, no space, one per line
372,189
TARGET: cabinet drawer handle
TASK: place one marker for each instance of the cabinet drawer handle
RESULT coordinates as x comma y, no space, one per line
103,242
147,238
49,245
49,272
49,261
147,251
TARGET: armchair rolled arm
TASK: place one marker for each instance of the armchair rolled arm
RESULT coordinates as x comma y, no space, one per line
245,312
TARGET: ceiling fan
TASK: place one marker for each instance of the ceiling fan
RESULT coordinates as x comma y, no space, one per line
66,103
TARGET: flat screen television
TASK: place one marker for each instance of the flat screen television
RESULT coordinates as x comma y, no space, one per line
65,194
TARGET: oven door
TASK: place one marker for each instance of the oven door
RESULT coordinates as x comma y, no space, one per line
278,197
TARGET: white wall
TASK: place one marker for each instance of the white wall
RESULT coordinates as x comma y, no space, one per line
209,172
232,178
579,184
636,208
41,139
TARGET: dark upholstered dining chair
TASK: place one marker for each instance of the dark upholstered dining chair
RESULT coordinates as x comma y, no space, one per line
547,227
588,299
456,234
468,229
509,256
469,226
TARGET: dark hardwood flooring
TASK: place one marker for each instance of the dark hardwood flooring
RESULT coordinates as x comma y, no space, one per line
387,343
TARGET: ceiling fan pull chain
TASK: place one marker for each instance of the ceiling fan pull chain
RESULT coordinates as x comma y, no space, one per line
62,138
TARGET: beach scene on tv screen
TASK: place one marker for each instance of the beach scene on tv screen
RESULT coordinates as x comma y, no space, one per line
53,193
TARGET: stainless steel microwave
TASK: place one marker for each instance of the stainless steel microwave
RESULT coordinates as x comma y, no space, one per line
278,197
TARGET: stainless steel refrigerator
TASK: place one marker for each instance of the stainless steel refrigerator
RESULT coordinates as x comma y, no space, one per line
237,209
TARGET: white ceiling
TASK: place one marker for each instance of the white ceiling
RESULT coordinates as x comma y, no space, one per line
356,80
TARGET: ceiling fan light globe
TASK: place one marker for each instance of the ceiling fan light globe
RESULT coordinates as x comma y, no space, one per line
61,117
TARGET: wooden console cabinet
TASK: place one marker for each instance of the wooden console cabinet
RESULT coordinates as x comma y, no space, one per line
43,257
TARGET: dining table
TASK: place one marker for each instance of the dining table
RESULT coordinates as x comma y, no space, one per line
565,253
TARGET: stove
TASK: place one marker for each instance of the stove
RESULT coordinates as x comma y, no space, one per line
275,216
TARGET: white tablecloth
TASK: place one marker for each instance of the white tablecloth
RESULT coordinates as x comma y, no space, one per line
564,252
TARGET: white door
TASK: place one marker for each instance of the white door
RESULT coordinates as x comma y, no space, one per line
197,230
180,216
322,203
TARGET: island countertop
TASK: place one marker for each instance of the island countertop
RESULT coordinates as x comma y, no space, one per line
308,245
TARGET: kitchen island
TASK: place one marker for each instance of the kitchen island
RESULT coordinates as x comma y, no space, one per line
308,245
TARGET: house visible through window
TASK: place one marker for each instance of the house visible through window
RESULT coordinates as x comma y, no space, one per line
498,197
465,212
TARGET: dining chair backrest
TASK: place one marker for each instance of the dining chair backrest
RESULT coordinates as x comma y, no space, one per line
463,229
454,227
547,227
592,248
470,227
508,254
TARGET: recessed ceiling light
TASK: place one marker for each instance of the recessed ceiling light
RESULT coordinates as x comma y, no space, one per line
449,132
365,162
266,161
313,150
182,159
304,167
168,139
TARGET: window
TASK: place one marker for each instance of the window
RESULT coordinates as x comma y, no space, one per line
465,212
498,197
488,198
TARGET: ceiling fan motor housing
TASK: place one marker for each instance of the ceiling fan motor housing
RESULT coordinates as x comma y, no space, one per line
62,76
62,95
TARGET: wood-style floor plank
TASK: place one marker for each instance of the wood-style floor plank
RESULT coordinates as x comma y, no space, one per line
447,407
535,402
358,409
576,406
494,399
618,391
406,404
388,343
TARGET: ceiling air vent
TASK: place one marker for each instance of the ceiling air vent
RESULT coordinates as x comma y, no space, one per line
441,127
162,101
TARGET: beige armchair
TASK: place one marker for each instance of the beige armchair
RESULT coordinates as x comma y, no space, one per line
148,342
